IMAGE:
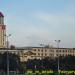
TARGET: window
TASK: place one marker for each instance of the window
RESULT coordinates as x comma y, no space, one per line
35,53
59,50
38,53
34,49
63,50
41,50
25,56
51,50
57,54
41,54
38,49
56,50
45,54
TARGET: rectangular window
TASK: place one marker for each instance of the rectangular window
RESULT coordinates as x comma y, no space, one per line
38,53
41,50
34,49
45,54
45,50
56,54
59,50
56,50
38,49
41,54
63,50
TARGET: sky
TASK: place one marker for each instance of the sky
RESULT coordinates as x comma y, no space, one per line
35,22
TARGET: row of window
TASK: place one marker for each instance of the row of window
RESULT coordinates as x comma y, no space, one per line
64,54
43,50
41,54
39,50
2,37
64,50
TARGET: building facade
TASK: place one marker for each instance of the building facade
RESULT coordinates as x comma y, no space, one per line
52,52
41,52
2,31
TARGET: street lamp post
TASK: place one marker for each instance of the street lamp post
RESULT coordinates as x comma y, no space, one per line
58,41
7,46
42,45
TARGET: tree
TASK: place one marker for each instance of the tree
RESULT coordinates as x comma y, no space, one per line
14,62
12,47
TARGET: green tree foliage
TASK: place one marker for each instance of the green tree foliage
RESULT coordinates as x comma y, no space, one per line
12,47
14,62
66,63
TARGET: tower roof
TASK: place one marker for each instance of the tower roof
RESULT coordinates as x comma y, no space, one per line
1,14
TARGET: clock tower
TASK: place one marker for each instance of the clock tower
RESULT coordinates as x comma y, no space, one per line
2,31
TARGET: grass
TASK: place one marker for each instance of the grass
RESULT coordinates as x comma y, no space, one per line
45,72
49,72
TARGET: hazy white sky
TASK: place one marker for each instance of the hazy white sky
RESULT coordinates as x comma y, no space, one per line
31,22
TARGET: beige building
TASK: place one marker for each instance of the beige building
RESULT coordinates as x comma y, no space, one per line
40,52
52,52
2,31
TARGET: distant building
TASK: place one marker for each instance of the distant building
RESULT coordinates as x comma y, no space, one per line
2,31
40,52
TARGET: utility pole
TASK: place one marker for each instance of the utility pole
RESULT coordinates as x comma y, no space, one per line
58,41
42,45
7,46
